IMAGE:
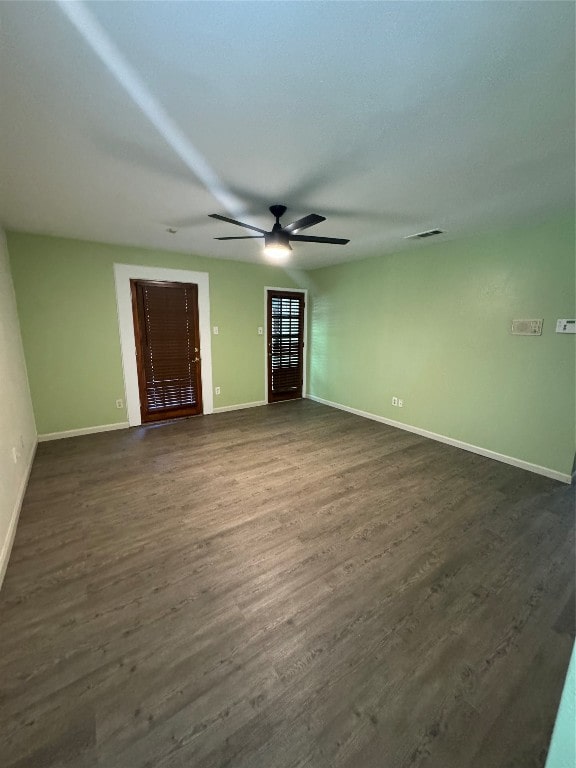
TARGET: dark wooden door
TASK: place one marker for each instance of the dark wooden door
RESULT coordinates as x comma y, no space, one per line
285,345
167,349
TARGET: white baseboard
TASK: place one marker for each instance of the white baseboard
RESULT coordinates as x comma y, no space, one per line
554,474
84,431
239,406
11,533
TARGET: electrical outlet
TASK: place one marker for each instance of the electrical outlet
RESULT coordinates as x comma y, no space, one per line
394,401
217,390
260,330
15,455
119,403
215,330
400,403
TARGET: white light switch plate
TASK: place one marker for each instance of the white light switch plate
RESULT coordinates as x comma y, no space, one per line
565,326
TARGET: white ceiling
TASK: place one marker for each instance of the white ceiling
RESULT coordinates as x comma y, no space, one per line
388,118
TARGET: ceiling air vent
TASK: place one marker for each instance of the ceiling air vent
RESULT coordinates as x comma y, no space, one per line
421,235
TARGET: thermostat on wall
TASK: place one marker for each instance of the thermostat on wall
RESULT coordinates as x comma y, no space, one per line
565,326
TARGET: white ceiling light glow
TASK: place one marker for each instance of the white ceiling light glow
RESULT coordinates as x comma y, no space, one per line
277,251
276,246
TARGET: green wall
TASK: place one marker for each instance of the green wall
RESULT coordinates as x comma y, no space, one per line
67,306
432,325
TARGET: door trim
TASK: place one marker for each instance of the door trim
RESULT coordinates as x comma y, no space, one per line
123,273
304,291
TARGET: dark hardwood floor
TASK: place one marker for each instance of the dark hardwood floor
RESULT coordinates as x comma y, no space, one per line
283,587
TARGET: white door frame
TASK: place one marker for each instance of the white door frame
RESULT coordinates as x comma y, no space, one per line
304,365
123,273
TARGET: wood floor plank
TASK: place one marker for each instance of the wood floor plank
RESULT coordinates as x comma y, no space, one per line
289,586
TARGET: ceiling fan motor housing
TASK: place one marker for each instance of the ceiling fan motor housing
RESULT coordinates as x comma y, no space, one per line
277,238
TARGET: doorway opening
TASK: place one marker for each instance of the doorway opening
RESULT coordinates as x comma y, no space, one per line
167,341
285,344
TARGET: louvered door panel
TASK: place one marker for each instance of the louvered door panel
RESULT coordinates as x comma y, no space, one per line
285,345
168,344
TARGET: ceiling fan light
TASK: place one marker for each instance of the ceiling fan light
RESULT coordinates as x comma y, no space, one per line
276,246
277,251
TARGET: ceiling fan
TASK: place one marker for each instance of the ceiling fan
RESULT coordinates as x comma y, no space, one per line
277,241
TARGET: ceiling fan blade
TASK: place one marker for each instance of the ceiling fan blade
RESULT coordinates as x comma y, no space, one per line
305,222
246,237
310,239
239,223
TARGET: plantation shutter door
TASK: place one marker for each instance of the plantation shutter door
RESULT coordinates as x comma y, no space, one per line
166,322
285,345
